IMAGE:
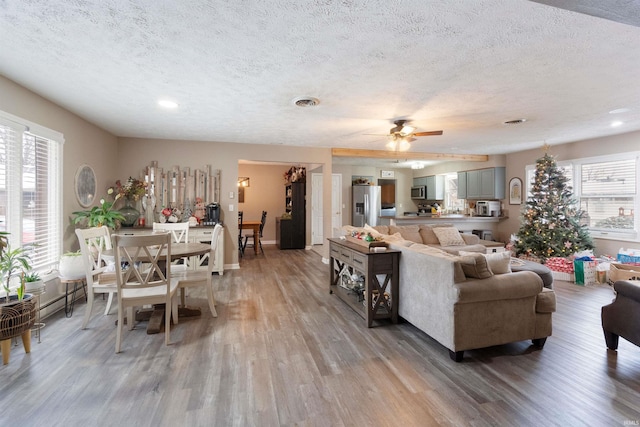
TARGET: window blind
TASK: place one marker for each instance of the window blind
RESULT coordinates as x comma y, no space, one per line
30,190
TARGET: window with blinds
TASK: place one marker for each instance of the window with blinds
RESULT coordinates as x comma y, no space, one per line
30,189
608,194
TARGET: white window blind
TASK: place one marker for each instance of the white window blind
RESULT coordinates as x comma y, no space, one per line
608,193
30,189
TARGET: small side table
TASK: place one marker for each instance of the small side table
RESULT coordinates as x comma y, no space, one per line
68,306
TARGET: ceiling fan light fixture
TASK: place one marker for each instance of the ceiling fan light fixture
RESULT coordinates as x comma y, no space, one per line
407,130
392,145
403,145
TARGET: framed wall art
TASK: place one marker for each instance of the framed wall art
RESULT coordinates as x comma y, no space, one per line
85,185
515,191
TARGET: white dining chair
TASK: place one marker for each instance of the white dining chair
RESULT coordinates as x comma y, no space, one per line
99,270
192,278
151,285
179,234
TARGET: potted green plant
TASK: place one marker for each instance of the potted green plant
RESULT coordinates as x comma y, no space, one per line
101,215
12,262
32,281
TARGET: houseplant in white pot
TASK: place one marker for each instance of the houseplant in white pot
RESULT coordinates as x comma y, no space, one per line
71,265
32,281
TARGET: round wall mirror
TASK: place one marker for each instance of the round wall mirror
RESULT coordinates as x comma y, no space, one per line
85,185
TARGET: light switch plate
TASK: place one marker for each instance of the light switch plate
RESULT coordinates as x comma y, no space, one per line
231,194
230,208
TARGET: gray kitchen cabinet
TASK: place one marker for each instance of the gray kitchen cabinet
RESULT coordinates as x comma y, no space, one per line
419,181
435,187
462,185
485,183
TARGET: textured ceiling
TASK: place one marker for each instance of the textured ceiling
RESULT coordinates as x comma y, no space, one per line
235,67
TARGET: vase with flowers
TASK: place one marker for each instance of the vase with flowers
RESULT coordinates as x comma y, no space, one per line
131,191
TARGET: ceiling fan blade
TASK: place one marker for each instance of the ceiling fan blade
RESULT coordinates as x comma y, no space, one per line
432,133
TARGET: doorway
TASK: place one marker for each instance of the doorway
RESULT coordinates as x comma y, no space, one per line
387,197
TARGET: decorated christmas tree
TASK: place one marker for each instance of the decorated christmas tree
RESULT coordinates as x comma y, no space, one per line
551,218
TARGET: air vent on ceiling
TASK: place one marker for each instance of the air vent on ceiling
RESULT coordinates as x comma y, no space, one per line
306,101
515,122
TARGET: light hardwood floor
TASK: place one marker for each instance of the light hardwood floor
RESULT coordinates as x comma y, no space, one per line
285,352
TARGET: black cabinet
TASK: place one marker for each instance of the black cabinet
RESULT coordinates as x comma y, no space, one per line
291,233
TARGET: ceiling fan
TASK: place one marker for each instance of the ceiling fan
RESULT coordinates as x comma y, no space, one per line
402,134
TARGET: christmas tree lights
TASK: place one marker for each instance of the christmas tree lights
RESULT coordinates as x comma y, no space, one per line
551,220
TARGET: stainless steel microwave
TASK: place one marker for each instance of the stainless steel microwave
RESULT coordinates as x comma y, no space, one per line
419,192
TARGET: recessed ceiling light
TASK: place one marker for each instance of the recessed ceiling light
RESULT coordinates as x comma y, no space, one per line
167,104
515,122
616,124
306,101
620,110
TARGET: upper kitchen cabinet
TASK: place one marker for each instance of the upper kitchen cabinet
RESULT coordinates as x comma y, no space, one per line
419,181
462,185
484,183
435,187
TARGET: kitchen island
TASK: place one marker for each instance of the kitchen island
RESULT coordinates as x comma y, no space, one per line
464,223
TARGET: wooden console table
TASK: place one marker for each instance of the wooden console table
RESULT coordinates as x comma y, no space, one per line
356,275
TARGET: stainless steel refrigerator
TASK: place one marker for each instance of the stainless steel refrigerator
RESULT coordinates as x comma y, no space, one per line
365,205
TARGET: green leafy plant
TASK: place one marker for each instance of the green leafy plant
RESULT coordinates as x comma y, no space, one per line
31,276
13,261
101,215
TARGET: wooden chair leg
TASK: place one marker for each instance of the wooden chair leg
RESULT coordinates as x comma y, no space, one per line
5,347
26,340
212,302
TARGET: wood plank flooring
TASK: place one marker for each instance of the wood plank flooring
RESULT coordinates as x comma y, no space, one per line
285,352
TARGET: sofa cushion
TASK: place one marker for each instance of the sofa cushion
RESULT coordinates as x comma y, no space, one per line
409,232
499,262
428,236
449,236
475,266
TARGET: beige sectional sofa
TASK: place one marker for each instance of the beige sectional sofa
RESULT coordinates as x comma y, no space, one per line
460,301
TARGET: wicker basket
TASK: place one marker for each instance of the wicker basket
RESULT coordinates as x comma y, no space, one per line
17,317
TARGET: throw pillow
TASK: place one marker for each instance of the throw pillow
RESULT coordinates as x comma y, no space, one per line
475,266
448,236
499,262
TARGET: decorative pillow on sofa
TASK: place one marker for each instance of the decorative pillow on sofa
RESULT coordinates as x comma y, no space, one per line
499,262
475,266
448,236
427,234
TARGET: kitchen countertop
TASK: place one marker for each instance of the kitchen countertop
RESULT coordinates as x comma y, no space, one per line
446,217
